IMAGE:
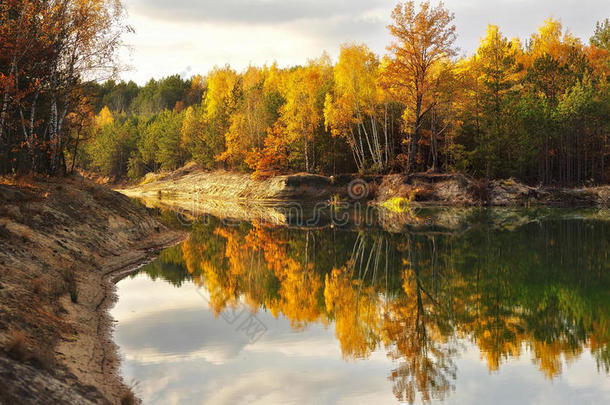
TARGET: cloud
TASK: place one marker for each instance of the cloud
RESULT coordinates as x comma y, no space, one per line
252,12
520,18
171,35
180,333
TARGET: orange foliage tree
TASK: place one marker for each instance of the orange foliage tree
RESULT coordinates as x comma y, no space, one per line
48,48
423,38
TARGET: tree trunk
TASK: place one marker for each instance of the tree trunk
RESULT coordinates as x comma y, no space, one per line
414,143
306,155
434,145
75,151
5,100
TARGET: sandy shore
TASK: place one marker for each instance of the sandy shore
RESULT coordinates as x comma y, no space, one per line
62,245
195,185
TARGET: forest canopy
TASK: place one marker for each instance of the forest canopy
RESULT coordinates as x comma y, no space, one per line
47,51
537,110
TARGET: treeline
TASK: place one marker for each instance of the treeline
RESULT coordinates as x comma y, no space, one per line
137,129
538,110
47,49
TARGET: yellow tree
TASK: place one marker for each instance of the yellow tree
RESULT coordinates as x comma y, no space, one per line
353,111
302,114
250,121
496,61
272,159
221,98
81,122
104,117
446,90
423,38
552,54
552,40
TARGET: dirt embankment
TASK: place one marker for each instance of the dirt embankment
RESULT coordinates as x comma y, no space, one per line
428,200
61,243
191,184
237,196
462,191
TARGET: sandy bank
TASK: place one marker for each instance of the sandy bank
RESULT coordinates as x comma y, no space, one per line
62,242
441,202
191,184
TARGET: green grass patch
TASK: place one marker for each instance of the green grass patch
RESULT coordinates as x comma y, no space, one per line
399,204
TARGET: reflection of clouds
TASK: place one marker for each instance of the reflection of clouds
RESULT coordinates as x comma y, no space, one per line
148,356
319,381
518,381
187,356
578,375
299,347
180,333
143,298
181,354
281,386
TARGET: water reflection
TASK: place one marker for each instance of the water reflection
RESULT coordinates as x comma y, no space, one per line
541,290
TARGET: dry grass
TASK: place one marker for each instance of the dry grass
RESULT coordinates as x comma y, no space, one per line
23,181
26,235
37,286
74,293
15,348
128,398
44,358
35,208
5,233
65,285
57,288
70,283
10,211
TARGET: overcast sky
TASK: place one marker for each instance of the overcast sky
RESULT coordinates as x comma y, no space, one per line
192,36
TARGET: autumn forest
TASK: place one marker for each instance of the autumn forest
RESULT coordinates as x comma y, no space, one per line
366,213
536,110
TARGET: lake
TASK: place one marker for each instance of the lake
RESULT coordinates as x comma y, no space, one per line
458,307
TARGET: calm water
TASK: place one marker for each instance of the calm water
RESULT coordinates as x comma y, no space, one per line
515,312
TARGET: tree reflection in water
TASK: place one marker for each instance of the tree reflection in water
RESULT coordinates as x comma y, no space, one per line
541,289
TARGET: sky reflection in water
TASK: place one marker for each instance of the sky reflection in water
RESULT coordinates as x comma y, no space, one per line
483,315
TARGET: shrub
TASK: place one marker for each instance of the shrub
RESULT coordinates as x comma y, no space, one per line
15,348
70,280
43,358
4,232
128,398
37,285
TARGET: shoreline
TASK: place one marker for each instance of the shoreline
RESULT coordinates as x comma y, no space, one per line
63,243
107,369
192,184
